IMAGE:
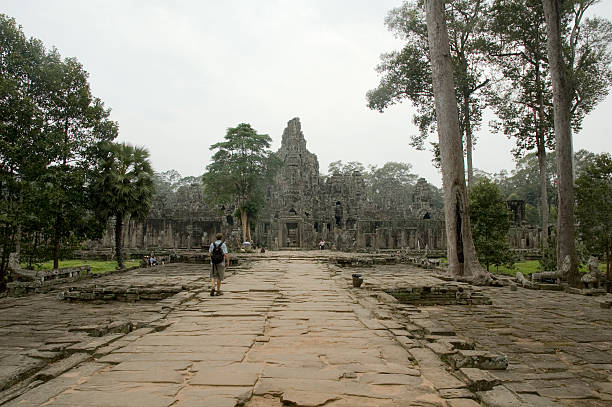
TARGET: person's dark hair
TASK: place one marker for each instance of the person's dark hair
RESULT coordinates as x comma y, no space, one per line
219,236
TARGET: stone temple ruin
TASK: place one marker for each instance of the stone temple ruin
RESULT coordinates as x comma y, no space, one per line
302,207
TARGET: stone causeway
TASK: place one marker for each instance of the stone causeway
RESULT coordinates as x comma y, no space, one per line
291,330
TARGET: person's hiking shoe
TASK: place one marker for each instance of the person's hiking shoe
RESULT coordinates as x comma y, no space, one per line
212,291
219,292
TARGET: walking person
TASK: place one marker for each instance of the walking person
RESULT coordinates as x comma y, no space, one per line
219,260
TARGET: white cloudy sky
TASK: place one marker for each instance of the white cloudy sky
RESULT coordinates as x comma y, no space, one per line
177,74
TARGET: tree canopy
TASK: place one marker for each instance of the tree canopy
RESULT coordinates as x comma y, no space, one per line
406,74
240,169
123,187
50,125
490,220
594,208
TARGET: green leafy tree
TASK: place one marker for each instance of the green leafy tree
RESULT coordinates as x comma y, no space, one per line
340,168
23,152
49,123
522,94
123,188
239,172
594,207
406,74
391,185
75,122
490,220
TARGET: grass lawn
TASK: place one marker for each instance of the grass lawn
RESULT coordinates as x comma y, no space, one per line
97,266
525,267
531,266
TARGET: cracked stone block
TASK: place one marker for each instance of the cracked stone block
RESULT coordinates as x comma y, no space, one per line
477,379
456,342
441,348
119,327
456,394
62,366
9,375
478,359
533,400
91,346
500,397
462,403
46,355
306,398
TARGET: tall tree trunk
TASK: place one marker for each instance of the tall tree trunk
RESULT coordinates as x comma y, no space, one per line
609,265
460,251
18,230
541,154
249,230
57,236
244,217
563,140
118,243
468,138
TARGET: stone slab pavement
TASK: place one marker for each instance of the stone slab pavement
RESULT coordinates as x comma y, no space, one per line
286,332
559,345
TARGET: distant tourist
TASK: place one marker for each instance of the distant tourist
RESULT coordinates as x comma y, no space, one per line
152,260
322,244
219,260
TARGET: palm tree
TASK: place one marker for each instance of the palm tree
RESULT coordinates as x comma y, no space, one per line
123,187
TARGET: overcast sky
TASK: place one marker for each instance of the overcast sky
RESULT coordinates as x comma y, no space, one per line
177,74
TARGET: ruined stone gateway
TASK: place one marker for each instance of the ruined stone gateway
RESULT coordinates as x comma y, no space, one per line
302,207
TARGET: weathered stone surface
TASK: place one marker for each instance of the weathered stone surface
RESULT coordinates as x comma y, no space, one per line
43,392
571,391
61,366
90,346
500,397
478,359
306,399
443,349
462,403
477,379
456,393
194,349
533,400
434,370
238,375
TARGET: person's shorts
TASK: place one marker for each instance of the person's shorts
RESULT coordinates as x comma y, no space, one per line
217,271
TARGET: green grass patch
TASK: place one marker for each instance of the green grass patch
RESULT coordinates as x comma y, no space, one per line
531,266
96,266
525,267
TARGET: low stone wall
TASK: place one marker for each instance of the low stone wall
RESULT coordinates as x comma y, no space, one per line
40,281
128,294
446,294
